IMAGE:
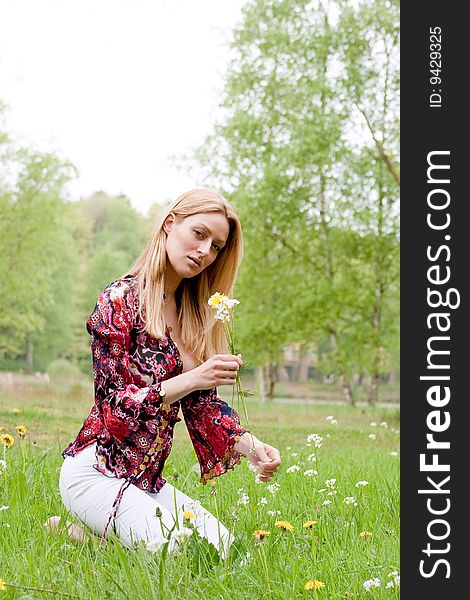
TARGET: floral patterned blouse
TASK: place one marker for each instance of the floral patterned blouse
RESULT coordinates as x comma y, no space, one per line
132,427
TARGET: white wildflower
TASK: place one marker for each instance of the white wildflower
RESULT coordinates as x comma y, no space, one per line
350,500
359,483
395,581
156,545
310,472
294,454
330,483
384,424
373,424
322,490
3,464
332,493
4,507
329,418
393,453
293,468
372,583
246,560
181,535
326,502
315,440
263,501
372,436
252,468
334,422
312,458
288,447
244,499
273,488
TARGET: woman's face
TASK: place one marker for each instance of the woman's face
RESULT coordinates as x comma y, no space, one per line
193,243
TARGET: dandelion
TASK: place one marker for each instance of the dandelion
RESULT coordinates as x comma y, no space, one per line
309,524
359,483
315,440
350,500
2,584
314,584
188,515
260,534
181,535
16,411
372,436
223,306
21,429
284,525
293,468
365,534
310,472
330,483
7,440
371,583
156,545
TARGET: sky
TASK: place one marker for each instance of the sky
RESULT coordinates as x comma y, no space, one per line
117,87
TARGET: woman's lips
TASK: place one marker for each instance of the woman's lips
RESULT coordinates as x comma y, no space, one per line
194,262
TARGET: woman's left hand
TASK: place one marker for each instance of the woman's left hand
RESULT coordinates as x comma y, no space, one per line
264,457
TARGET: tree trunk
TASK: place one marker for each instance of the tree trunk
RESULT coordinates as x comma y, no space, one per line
270,378
347,391
304,365
374,388
30,354
261,385
283,374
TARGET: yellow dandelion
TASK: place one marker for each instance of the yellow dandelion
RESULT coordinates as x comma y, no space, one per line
285,525
260,534
188,515
16,411
21,429
314,584
7,440
309,524
2,584
365,534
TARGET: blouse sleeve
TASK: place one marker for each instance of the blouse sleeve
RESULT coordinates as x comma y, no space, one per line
214,428
125,406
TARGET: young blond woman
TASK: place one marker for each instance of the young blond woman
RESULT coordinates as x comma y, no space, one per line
157,348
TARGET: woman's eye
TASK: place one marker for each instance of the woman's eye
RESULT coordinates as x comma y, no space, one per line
217,249
198,233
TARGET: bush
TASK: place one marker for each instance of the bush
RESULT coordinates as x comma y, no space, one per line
64,371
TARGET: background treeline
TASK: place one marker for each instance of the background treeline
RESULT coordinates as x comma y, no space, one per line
306,146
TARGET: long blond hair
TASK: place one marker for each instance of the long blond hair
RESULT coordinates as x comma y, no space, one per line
200,332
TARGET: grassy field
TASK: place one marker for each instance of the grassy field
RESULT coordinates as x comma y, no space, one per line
354,540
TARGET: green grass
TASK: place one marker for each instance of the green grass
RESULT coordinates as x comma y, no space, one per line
277,568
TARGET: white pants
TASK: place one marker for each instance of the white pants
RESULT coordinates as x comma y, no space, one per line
89,495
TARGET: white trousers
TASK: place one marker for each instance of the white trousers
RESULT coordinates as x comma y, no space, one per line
88,495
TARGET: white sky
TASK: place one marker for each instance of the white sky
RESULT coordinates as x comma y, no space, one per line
115,86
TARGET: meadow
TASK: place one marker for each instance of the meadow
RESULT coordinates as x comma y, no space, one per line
335,500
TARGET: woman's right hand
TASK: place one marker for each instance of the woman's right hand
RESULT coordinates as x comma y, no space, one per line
220,369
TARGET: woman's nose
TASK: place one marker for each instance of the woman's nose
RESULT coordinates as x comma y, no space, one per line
204,247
